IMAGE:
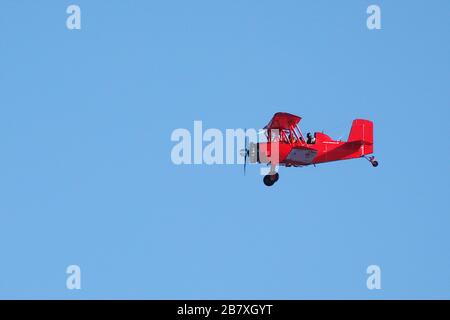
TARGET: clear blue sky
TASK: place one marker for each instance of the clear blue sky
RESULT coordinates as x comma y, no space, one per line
85,170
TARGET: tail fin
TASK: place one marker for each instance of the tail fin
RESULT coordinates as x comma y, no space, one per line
362,132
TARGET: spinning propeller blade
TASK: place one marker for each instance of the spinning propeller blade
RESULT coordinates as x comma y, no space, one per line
245,152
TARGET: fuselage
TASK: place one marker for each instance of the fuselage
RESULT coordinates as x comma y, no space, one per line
300,153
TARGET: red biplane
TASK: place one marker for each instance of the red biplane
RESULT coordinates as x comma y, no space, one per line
286,145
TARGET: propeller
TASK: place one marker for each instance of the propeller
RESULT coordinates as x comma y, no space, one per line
245,152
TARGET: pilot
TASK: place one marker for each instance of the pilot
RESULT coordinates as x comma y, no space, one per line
310,139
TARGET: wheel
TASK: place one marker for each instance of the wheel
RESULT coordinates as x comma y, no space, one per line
275,177
375,163
268,181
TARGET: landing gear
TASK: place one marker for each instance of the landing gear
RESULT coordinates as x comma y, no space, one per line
372,160
270,179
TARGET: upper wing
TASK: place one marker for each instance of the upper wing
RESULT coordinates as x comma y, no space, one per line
283,120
